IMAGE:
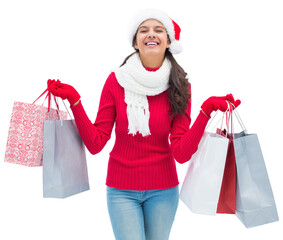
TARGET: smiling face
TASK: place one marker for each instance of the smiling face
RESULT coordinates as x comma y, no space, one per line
151,38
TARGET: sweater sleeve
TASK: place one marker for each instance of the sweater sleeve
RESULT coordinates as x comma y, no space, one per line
185,139
95,135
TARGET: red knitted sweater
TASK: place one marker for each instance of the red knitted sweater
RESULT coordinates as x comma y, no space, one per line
137,162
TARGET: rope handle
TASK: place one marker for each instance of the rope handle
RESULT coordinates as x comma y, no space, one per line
48,95
228,114
60,118
239,119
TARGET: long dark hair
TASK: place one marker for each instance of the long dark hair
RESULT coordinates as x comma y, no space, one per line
179,91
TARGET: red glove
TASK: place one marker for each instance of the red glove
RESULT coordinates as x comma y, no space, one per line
218,103
63,91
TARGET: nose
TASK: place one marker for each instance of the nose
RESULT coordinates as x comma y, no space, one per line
151,34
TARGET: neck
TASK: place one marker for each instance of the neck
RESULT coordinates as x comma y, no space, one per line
152,61
151,69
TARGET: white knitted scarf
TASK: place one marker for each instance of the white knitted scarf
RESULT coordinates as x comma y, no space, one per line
139,83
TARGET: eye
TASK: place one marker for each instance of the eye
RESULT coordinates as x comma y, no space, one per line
143,31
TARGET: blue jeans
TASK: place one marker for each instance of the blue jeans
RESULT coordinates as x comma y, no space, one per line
142,215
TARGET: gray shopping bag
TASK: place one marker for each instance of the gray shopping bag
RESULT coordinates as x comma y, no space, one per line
64,160
255,204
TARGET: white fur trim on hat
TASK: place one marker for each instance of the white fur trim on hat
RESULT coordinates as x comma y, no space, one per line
151,13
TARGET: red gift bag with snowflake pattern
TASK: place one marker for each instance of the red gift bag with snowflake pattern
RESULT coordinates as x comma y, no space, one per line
25,136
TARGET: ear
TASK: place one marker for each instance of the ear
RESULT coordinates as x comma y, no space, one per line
168,43
136,46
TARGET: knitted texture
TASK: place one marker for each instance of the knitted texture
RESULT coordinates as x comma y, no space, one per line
64,91
219,103
139,83
137,162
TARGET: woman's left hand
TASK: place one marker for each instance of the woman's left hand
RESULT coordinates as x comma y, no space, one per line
218,103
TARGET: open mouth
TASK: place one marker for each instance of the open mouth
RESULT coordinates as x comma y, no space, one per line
151,44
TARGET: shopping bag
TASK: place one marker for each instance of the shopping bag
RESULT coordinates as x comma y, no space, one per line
255,204
227,197
24,142
64,160
201,187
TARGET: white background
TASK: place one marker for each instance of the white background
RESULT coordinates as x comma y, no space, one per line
229,46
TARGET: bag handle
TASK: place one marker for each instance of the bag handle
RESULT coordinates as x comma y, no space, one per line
57,106
239,119
229,118
46,90
228,114
48,95
67,109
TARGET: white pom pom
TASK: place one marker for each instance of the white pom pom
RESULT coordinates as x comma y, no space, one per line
175,47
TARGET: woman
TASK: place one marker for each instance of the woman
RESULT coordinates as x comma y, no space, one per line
149,98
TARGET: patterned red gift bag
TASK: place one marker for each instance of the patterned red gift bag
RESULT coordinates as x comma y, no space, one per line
25,136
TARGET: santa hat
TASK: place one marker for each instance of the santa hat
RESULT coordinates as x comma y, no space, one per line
172,27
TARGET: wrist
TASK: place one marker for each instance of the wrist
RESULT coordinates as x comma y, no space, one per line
207,107
74,97
208,115
76,103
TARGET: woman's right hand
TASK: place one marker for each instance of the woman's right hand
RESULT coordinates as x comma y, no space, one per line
63,91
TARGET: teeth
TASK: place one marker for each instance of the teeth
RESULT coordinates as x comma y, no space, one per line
151,43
